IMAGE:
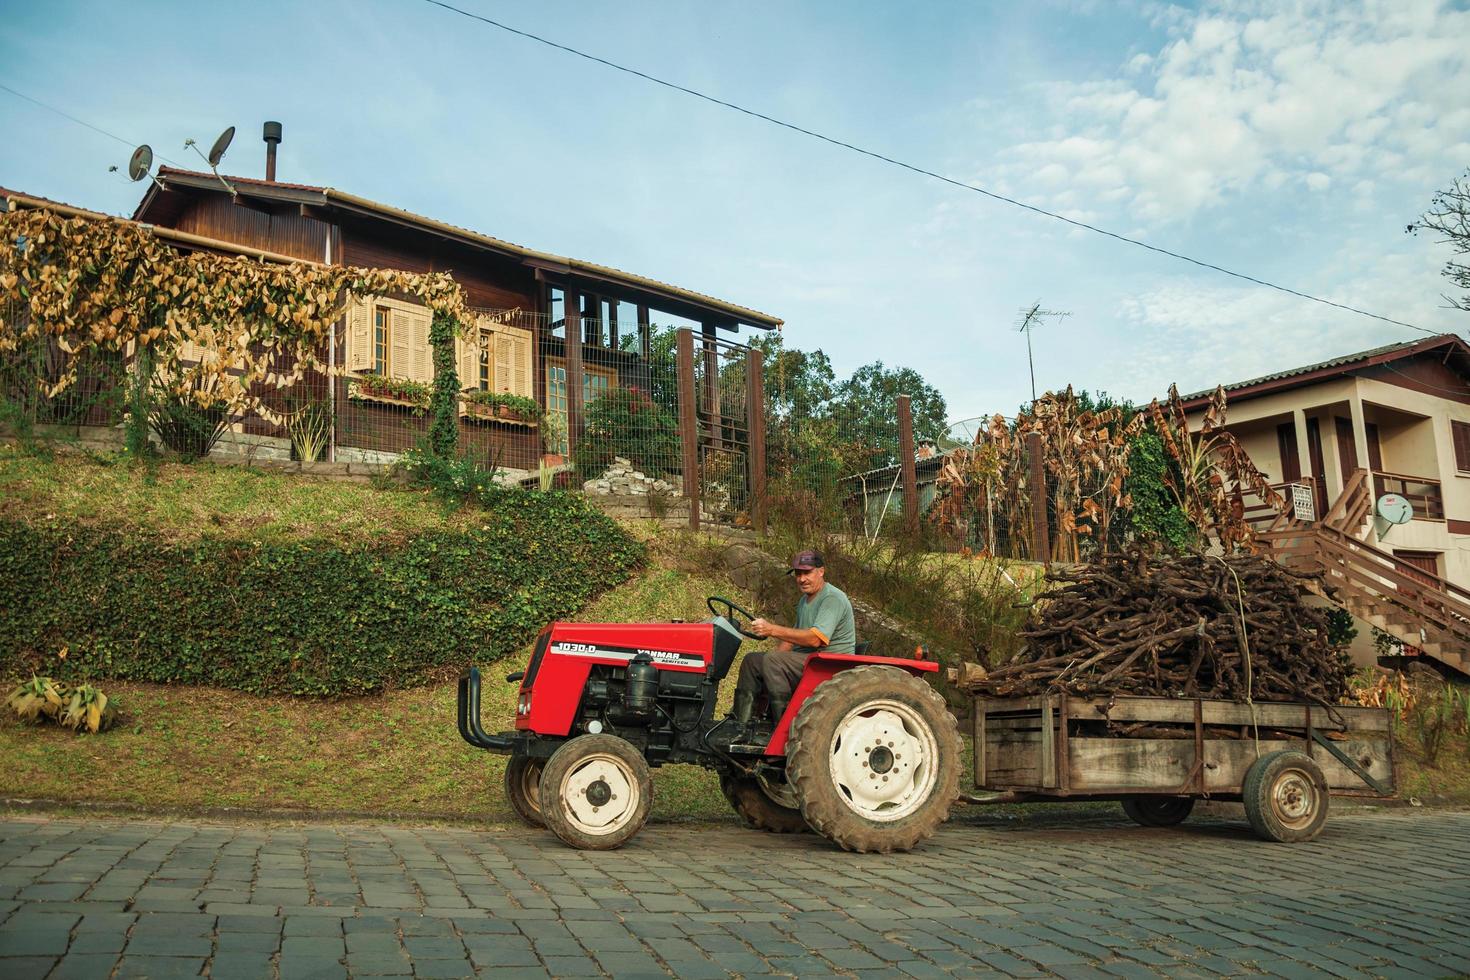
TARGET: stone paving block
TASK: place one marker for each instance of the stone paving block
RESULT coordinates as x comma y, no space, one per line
158,967
241,966
83,966
307,967
26,966
572,966
34,941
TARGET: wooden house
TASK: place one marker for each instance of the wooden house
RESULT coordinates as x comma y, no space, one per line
543,318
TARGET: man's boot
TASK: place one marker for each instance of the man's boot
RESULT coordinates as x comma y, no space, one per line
778,708
737,722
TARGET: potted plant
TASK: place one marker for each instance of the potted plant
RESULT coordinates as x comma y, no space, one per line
378,387
499,405
553,432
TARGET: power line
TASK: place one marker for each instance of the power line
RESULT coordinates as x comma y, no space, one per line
913,168
79,122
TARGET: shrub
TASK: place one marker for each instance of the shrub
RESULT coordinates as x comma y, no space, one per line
444,403
308,618
188,419
626,422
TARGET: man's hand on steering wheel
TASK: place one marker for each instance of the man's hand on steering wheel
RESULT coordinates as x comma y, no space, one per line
729,613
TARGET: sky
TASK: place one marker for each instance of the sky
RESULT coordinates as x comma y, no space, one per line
1289,141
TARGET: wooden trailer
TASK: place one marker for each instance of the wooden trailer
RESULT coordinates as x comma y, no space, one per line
1159,755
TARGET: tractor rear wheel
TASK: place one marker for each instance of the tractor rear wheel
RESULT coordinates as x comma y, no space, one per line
596,792
763,805
874,756
523,788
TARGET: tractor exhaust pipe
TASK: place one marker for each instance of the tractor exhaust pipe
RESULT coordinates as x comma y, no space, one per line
469,716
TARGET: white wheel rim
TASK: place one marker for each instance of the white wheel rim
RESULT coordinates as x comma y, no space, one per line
600,795
884,760
1294,798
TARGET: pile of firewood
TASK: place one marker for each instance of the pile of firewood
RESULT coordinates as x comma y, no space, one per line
1172,627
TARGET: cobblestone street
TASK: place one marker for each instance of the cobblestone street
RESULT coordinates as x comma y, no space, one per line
1382,893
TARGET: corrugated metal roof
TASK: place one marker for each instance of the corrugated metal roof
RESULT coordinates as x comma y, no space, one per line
1346,360
329,195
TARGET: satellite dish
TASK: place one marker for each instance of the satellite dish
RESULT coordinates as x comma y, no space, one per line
217,151
141,162
1394,509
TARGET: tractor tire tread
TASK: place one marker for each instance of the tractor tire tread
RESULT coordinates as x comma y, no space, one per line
516,773
807,765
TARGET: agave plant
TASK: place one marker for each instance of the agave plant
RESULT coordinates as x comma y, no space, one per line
88,707
37,698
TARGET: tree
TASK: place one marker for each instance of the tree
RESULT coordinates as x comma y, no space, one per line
797,382
866,409
1449,217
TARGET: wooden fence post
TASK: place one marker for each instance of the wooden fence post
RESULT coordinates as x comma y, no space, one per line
755,427
689,423
906,462
1040,538
572,308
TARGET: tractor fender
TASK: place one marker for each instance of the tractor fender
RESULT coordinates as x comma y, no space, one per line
820,667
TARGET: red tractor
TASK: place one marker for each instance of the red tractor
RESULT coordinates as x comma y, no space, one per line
866,753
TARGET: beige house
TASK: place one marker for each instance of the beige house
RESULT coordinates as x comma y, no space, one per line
1334,438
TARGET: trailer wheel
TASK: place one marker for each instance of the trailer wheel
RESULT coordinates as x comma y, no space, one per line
764,807
1285,797
596,792
1158,811
874,757
523,788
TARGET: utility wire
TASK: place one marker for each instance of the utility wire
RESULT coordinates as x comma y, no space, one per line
892,161
79,122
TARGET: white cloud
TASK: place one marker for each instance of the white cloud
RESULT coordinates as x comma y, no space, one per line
1252,94
1200,335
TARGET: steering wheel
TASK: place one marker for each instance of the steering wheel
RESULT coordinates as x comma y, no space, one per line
715,601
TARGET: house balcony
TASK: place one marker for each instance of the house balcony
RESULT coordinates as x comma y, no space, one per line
1423,493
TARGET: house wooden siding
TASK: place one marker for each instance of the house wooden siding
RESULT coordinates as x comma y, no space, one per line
213,216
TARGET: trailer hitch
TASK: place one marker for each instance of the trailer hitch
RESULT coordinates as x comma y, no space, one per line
469,716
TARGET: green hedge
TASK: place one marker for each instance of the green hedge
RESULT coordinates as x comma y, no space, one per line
301,618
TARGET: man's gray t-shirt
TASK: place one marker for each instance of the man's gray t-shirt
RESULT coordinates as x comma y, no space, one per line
829,612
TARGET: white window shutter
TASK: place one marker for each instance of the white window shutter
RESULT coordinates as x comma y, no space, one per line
521,360
468,362
423,353
503,379
360,334
400,339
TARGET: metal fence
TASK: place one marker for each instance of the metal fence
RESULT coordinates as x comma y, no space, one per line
663,418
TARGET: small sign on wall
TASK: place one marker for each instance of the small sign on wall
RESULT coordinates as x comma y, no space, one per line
1303,503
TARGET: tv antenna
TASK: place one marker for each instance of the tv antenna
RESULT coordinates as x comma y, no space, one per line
139,165
1029,319
216,153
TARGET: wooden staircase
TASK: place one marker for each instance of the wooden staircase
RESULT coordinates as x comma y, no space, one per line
1423,610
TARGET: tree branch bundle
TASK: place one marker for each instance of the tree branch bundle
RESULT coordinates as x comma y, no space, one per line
1172,627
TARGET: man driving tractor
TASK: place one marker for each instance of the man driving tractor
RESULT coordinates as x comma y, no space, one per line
823,623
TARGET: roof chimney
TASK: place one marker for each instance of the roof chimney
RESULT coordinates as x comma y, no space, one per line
272,136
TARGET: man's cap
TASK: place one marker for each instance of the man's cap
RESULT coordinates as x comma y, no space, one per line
805,561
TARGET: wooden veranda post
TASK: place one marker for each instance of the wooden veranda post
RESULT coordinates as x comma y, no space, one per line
571,304
906,464
689,423
1040,538
755,411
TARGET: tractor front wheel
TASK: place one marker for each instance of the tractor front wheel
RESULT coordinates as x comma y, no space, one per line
596,792
764,805
523,788
874,757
